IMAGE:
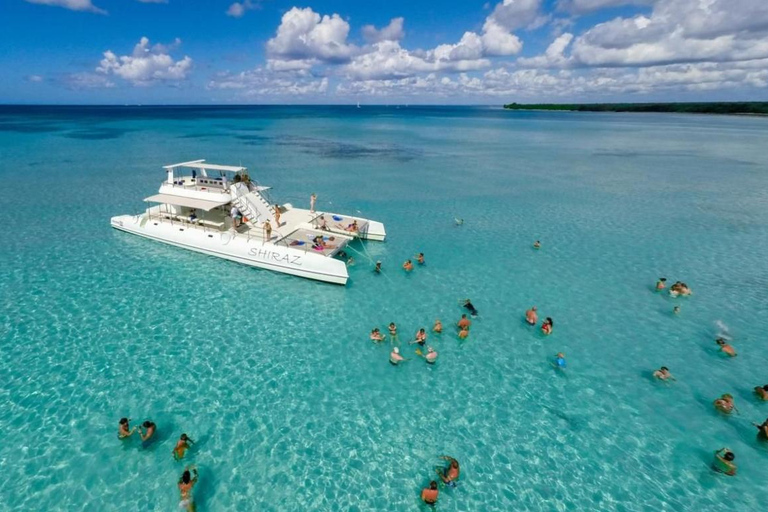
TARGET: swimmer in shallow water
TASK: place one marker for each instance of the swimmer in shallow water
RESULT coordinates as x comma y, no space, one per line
676,310
464,323
438,327
560,362
472,310
464,332
376,335
547,325
395,358
660,284
531,316
182,446
725,404
724,462
762,392
147,433
449,474
186,483
663,373
421,338
377,268
392,330
125,431
537,244
420,258
431,356
725,347
429,494
408,266
762,430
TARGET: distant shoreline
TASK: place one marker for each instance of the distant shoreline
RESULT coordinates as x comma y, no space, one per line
716,108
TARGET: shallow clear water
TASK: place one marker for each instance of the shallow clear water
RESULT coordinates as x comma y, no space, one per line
292,407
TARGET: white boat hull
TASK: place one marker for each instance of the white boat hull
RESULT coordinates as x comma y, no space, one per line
237,247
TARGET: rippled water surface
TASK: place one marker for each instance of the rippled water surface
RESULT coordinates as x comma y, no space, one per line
292,407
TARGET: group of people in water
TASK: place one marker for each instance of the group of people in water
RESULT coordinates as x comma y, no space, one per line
147,432
723,458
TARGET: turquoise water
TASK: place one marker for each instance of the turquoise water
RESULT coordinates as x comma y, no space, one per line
292,407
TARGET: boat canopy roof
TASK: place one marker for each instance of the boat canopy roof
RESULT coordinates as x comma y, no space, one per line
189,202
200,164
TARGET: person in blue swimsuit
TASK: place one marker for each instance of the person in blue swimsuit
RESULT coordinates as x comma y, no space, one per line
560,362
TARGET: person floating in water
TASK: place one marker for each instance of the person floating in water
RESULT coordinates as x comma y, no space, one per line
451,473
350,261
547,325
724,462
531,316
125,431
429,494
762,430
472,310
147,432
762,392
464,323
663,373
421,337
537,244
182,446
395,358
408,266
725,404
676,310
464,332
725,347
420,258
660,284
560,362
458,221
431,356
376,335
680,288
186,483
438,327
392,330
377,268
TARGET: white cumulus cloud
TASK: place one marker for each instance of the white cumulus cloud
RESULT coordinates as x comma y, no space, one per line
146,65
586,6
392,32
74,5
237,9
304,34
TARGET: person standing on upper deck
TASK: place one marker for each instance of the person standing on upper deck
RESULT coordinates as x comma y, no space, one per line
277,214
267,231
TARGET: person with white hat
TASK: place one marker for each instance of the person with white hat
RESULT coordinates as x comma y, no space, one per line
395,357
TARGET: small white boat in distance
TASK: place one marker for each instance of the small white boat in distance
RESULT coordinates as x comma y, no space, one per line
221,211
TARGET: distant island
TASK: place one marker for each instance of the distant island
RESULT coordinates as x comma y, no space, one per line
753,108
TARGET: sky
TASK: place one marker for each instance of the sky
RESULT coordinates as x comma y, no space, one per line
394,52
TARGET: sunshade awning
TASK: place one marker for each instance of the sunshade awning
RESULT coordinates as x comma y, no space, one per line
189,202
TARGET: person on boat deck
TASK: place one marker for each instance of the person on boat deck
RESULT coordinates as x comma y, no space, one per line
148,431
663,373
237,217
725,347
182,446
352,227
377,268
725,404
408,266
267,230
762,430
376,335
547,325
531,316
323,224
125,431
464,323
468,305
394,357
660,284
420,258
762,392
186,483
438,327
724,462
429,494
277,214
449,474
192,216
312,200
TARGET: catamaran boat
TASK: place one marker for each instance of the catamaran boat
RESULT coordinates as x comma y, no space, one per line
221,211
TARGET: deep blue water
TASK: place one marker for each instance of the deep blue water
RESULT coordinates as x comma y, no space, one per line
292,407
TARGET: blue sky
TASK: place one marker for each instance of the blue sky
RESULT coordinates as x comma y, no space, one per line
453,52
